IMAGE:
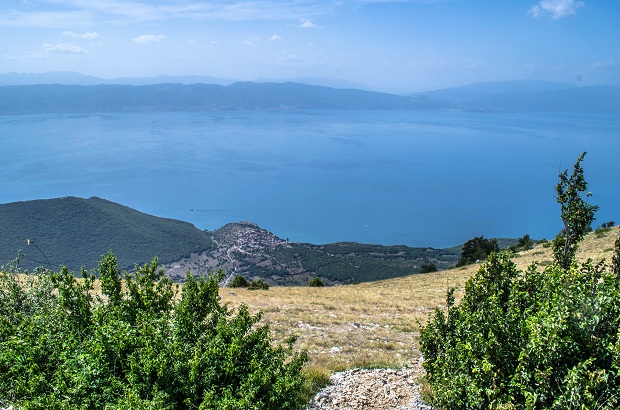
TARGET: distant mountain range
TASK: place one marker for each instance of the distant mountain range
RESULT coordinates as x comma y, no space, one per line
73,78
529,95
52,98
75,93
75,232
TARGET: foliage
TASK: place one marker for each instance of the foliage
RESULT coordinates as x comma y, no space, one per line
524,243
258,284
529,340
609,224
349,262
577,214
316,282
604,228
477,249
136,346
428,267
239,282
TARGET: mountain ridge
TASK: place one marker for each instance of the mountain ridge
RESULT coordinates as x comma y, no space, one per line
251,96
52,98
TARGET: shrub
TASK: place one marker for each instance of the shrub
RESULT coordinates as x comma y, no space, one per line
524,243
604,229
609,224
137,346
428,267
316,282
239,282
258,284
477,249
533,339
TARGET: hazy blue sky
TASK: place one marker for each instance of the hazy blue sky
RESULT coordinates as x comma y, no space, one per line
387,45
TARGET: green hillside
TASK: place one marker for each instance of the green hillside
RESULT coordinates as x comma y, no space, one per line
75,232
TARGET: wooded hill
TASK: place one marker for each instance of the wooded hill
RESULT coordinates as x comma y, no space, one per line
75,232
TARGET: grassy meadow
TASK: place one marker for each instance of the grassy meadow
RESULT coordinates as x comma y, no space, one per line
375,324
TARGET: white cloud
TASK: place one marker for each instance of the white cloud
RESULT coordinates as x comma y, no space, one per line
289,58
605,65
85,13
275,38
85,36
149,38
306,23
556,8
251,41
35,56
63,48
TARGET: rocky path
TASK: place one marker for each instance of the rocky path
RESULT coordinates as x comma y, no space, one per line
372,389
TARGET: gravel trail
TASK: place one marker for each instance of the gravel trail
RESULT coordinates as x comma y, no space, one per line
395,389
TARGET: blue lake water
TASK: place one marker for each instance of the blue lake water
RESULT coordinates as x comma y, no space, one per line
420,178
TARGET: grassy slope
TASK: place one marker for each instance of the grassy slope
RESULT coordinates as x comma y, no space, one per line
76,232
374,323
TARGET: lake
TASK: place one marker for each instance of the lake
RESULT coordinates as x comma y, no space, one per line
419,178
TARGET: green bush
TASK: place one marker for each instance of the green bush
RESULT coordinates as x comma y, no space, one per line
609,224
537,339
258,284
604,229
239,282
524,243
136,347
477,249
316,282
428,267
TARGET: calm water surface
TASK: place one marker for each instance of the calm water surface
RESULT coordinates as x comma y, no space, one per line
421,178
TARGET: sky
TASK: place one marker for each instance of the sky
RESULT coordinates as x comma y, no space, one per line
384,45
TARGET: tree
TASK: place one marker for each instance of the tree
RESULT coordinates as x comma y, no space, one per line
477,249
258,284
316,282
239,282
531,340
577,214
524,243
428,267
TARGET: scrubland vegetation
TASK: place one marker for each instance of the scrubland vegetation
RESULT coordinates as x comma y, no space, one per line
136,344
534,329
534,339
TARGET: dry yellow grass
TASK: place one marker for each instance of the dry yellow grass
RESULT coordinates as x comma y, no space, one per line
374,324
